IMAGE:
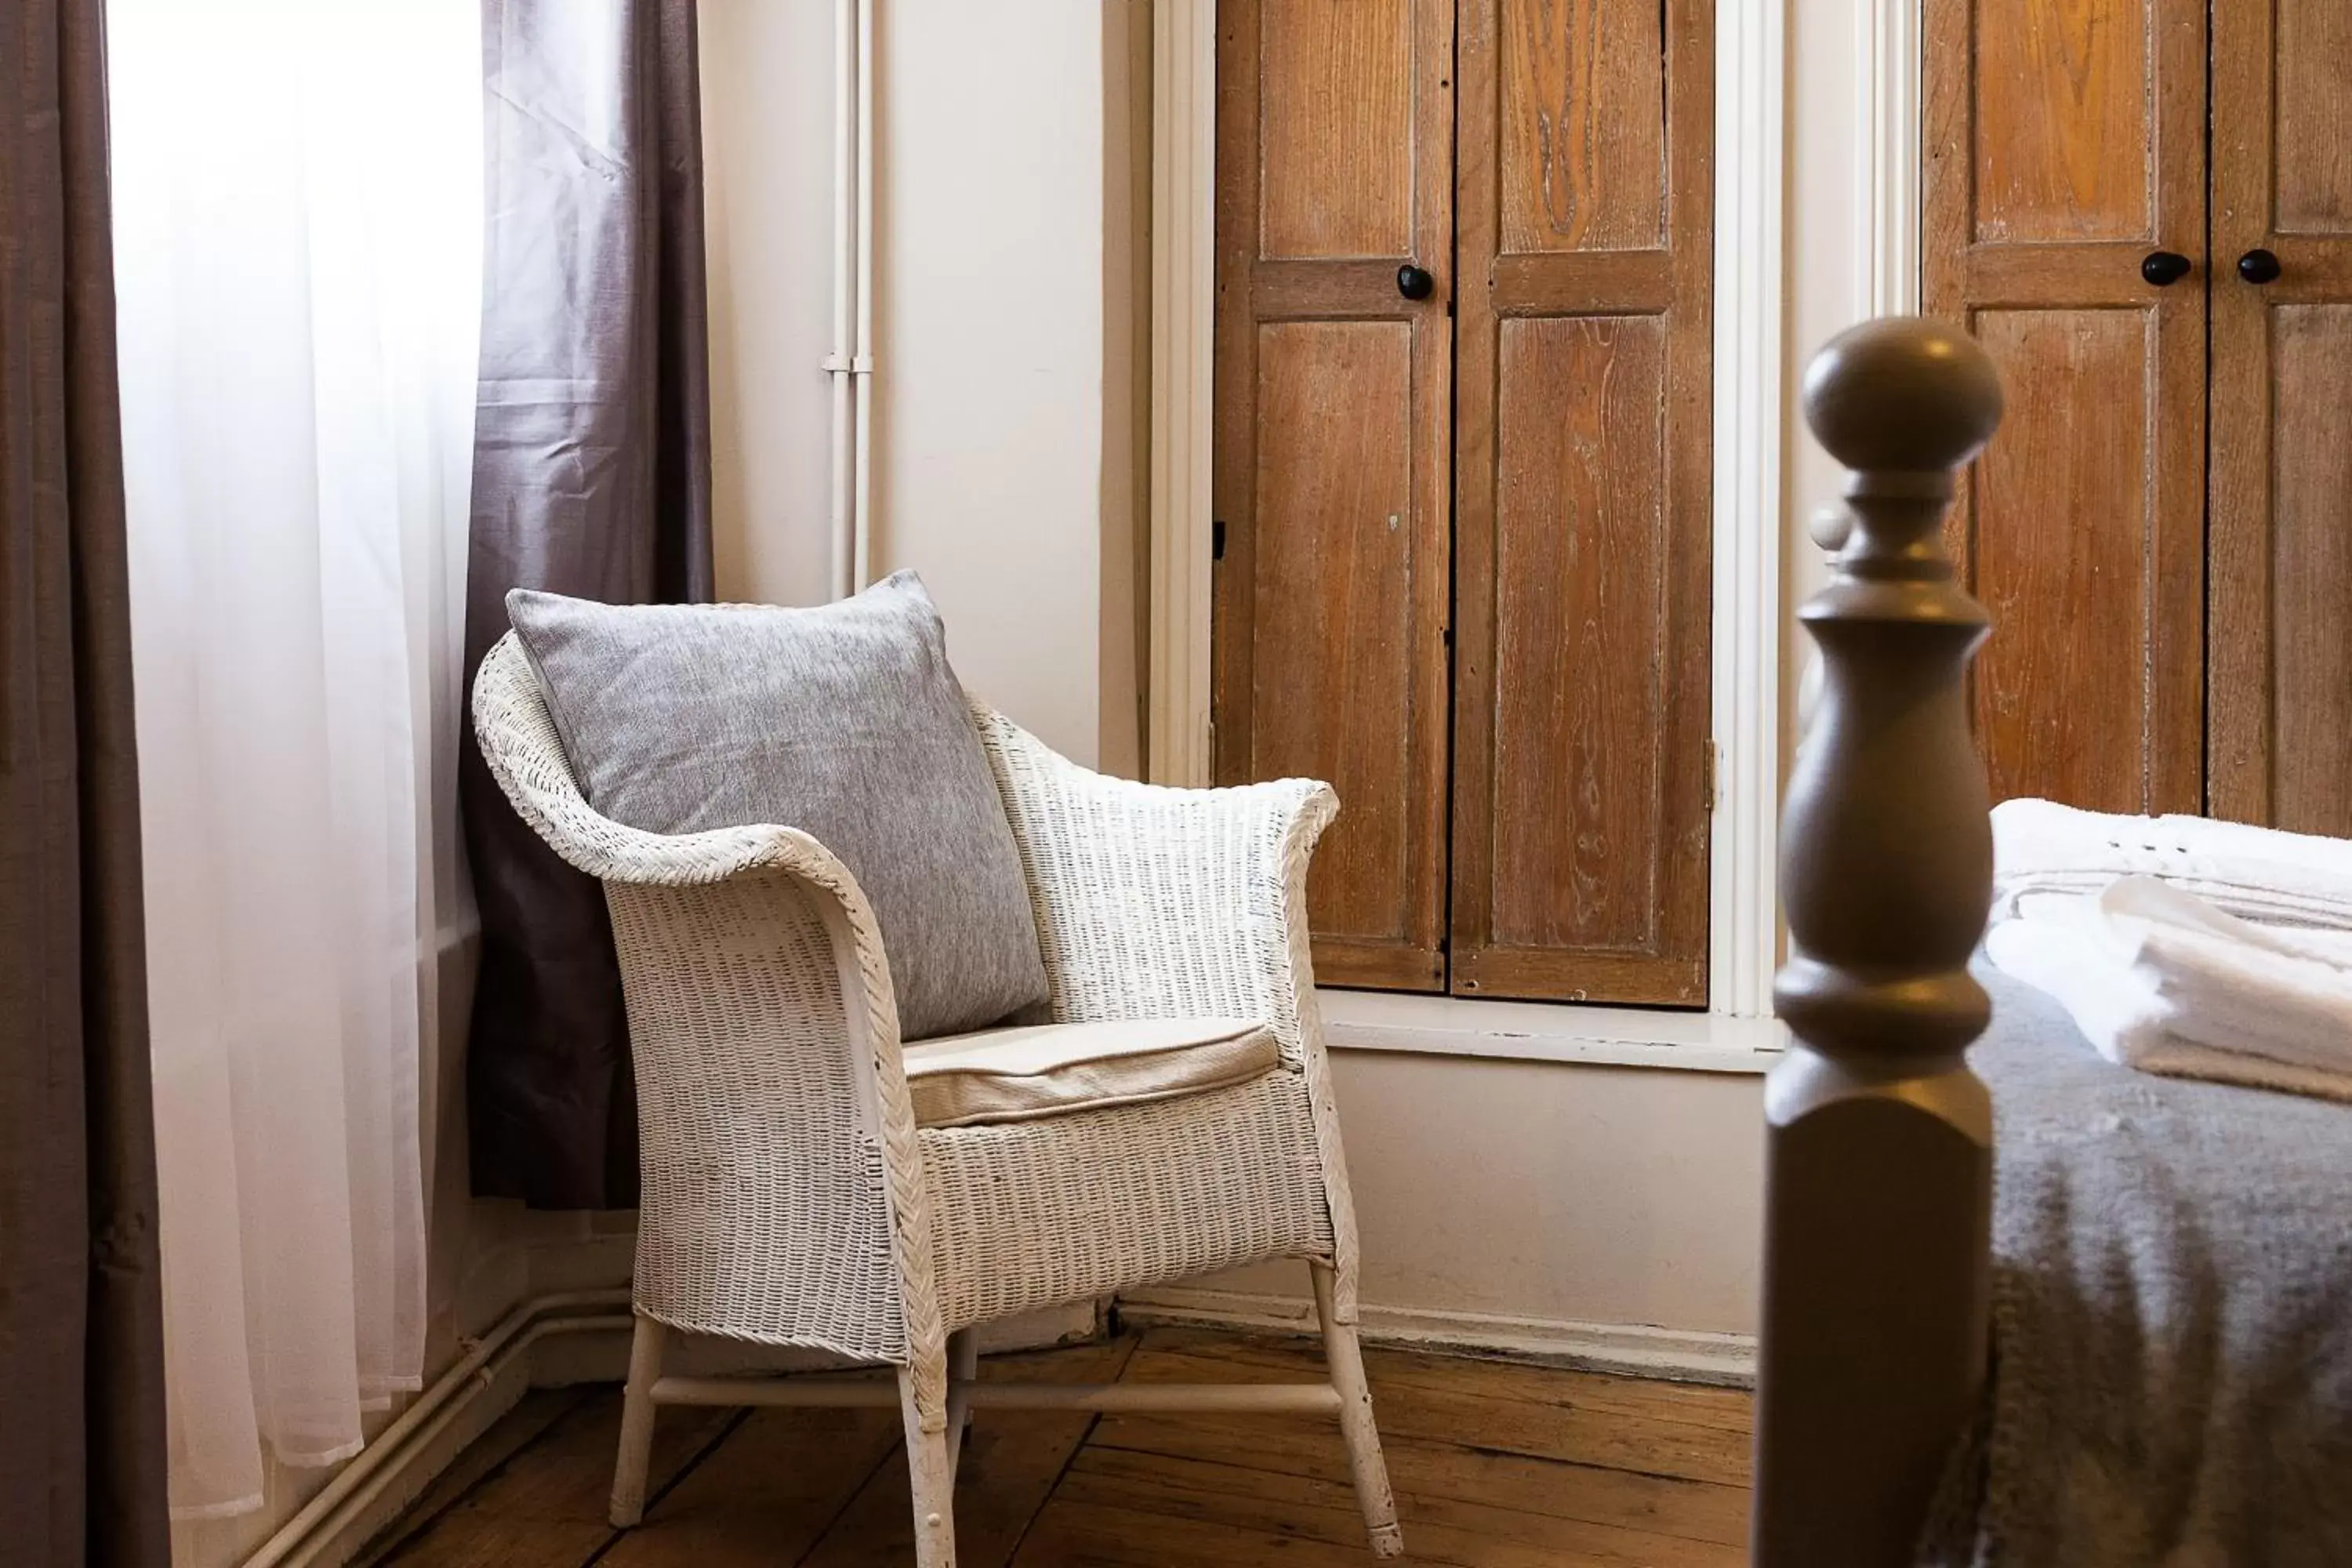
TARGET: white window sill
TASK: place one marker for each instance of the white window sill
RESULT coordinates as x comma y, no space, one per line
1548,1032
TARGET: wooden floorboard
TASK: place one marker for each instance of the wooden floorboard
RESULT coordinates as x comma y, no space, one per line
518,1429
1494,1466
1012,1459
545,1507
768,1494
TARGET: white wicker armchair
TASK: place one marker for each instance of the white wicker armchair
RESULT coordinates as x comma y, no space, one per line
789,1197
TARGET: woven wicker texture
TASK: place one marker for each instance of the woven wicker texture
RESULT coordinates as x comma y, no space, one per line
1034,1213
788,1198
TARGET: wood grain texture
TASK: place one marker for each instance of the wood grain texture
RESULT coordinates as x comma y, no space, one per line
2311,567
2279,735
1581,131
540,1410
1580,524
770,1492
2065,144
2065,139
544,1507
2065,694
1582,501
1579,1419
2313,61
1282,1516
1336,164
1332,418
1496,1466
1332,664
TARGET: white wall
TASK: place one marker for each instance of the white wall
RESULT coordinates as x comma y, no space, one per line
989,414
1543,1195
767,133
997,382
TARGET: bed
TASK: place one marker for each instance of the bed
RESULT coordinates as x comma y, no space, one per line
2171,1305
2021,1306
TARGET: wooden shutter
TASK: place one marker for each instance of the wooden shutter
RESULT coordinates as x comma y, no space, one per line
2281,638
2066,141
1581,507
1334,169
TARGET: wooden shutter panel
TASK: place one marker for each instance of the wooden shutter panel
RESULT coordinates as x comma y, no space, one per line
1581,509
2065,144
1334,169
2280,530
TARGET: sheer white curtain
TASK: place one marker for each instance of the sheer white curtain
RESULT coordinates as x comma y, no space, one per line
297,209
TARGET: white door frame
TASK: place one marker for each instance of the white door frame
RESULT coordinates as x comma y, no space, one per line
1183,338
1890,85
1751,153
1752,435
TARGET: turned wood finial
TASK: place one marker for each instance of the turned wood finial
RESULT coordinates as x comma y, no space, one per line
1887,857
1902,392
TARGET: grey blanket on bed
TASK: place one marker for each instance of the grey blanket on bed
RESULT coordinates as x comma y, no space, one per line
2172,1316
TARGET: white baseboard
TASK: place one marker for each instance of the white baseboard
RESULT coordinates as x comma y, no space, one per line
1630,1349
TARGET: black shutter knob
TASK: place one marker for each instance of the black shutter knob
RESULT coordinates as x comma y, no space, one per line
2164,268
1413,283
2258,266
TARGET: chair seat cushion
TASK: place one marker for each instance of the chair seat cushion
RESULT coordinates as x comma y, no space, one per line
1046,1069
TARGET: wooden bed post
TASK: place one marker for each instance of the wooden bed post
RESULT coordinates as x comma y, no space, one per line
1879,1146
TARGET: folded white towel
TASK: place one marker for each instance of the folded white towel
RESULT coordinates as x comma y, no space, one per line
2160,980
2044,850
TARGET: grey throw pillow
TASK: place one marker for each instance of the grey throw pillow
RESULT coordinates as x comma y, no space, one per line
843,720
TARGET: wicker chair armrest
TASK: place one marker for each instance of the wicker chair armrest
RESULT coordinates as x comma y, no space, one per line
614,852
1153,901
526,755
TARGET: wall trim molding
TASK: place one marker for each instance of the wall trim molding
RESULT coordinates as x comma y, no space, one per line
1749,366
1751,153
1177,740
1632,1349
1890,86
1549,1032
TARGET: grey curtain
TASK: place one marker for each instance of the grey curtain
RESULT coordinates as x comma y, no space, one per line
592,477
82,1335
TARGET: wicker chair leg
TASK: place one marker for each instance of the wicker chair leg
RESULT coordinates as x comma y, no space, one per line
964,1365
637,1424
931,1478
1346,1358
